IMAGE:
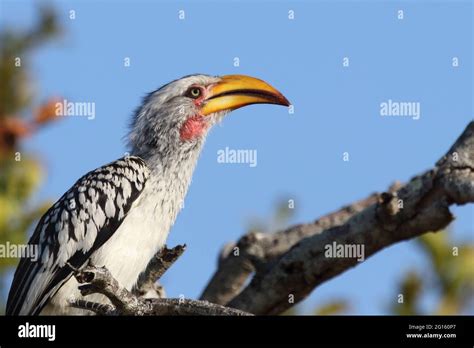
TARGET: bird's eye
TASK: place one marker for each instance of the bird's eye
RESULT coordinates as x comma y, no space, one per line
194,92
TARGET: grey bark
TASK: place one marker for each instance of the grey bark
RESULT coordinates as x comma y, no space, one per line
426,200
123,302
254,252
147,285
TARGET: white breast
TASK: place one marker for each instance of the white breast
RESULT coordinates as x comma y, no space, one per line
127,253
142,234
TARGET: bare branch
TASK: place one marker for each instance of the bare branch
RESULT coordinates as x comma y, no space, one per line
99,280
292,262
174,306
420,206
257,250
146,285
289,264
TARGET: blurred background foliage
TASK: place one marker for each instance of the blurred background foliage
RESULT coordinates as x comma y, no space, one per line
449,277
21,173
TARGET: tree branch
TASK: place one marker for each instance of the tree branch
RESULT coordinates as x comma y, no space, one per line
99,280
255,251
147,281
288,265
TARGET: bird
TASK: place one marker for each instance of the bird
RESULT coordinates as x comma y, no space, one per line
119,215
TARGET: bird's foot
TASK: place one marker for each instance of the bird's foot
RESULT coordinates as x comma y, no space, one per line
97,308
100,280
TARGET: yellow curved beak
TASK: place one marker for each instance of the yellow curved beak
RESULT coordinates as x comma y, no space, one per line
234,91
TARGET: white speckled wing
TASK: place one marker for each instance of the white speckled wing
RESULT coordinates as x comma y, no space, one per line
79,223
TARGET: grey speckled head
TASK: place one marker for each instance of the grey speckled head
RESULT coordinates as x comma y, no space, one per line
157,122
175,119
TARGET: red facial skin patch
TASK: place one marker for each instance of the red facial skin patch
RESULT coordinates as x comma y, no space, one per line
193,128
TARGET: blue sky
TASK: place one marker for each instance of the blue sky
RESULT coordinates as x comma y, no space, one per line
300,155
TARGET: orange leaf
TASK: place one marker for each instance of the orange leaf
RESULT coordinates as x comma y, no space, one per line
47,112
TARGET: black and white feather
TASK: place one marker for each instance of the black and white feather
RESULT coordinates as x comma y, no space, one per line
77,225
119,215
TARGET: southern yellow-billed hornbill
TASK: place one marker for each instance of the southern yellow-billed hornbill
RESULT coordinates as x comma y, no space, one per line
119,215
